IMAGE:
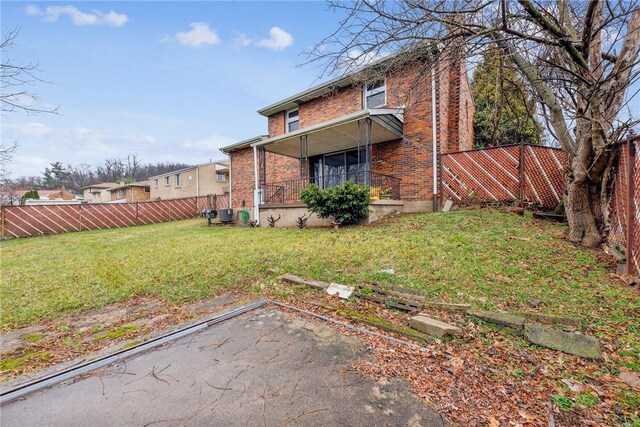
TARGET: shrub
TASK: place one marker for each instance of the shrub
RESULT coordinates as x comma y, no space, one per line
31,194
344,204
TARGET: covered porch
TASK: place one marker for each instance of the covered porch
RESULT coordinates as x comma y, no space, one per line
330,153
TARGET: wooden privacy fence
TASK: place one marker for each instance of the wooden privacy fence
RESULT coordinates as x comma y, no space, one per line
624,218
26,221
530,173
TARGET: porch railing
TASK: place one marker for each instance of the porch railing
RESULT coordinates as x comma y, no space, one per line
380,186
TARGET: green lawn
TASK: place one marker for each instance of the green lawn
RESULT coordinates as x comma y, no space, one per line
487,258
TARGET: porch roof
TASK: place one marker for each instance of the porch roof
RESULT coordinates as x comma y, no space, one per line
337,134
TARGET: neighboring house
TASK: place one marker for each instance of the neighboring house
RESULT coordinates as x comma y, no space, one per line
14,197
98,193
199,180
63,194
380,133
130,193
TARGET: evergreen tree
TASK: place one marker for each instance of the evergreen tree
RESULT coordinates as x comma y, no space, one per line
31,194
504,109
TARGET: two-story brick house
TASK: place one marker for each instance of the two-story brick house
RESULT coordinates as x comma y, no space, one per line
380,133
130,193
199,180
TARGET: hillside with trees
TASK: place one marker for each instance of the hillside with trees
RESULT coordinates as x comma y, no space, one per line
505,110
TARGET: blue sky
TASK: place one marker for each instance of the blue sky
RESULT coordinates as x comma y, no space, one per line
168,81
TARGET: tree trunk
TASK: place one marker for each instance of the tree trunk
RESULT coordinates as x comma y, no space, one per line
583,210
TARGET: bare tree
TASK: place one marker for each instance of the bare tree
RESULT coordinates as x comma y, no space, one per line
15,81
577,58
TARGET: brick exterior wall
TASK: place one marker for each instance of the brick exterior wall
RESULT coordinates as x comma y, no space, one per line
132,194
242,177
62,194
276,124
336,104
409,158
281,168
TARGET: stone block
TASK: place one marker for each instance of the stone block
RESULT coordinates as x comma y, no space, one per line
500,319
342,291
448,306
433,327
552,320
402,304
567,342
317,284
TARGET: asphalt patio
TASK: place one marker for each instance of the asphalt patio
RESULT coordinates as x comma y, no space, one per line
264,367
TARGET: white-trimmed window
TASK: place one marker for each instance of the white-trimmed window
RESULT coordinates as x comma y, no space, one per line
155,183
220,177
293,120
178,180
167,181
120,194
375,94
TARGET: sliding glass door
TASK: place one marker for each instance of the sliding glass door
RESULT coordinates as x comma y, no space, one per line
333,169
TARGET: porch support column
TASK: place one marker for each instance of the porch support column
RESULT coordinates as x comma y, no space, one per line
304,156
367,149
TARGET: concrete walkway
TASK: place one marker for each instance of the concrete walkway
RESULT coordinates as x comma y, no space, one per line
263,368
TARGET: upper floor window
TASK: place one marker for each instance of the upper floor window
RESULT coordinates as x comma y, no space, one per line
178,180
375,94
220,177
166,181
293,120
155,183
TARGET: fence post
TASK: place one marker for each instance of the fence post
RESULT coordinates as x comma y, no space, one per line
2,223
80,215
631,159
137,218
521,174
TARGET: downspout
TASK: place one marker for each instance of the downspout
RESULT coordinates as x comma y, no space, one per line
230,186
256,200
198,181
434,132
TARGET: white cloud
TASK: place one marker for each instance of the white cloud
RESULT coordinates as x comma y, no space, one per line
242,40
33,162
214,142
278,39
199,34
77,138
357,58
140,139
95,17
33,130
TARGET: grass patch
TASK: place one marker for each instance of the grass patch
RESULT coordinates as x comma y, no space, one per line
587,400
18,362
563,402
115,333
476,257
32,338
130,344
